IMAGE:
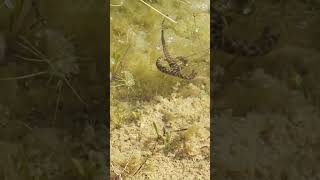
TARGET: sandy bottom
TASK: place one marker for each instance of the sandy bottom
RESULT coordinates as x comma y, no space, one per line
181,150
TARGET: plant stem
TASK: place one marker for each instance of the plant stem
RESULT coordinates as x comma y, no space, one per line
158,11
24,76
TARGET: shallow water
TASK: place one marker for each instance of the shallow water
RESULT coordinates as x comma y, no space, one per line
145,100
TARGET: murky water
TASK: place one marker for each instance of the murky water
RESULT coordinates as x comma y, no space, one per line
266,108
52,122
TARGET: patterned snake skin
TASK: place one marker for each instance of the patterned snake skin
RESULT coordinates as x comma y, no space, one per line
172,66
219,41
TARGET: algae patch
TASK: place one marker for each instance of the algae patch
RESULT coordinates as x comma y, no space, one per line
159,123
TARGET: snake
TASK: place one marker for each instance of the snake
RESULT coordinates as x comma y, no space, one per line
172,66
219,42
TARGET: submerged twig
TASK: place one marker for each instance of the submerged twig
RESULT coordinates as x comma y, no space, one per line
24,76
119,65
29,59
185,2
74,91
124,170
117,5
145,161
59,89
158,11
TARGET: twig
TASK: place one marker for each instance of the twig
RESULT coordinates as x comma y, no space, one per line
24,76
158,11
74,91
121,60
124,169
145,161
117,5
32,48
59,89
185,2
28,59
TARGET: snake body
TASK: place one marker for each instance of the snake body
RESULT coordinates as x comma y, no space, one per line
219,41
172,66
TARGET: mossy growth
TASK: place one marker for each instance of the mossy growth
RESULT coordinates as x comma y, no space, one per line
139,90
135,45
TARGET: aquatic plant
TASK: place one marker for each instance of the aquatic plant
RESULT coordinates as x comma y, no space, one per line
59,57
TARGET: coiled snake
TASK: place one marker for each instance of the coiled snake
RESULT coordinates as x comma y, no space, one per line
172,66
219,41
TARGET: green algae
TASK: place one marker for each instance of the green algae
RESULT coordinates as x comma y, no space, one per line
147,106
136,26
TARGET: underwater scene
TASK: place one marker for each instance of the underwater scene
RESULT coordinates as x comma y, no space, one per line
160,89
53,90
266,93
